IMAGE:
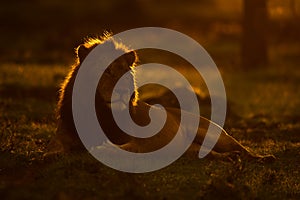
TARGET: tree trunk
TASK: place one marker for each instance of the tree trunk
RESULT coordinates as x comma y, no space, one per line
254,40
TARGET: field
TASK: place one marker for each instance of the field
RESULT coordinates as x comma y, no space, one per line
266,119
37,42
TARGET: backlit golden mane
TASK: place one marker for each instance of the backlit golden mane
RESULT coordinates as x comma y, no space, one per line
92,42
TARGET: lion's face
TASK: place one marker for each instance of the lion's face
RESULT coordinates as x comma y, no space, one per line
111,76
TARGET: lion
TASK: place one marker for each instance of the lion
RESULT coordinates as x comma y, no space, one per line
67,140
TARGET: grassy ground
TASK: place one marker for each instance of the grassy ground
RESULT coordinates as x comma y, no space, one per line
265,106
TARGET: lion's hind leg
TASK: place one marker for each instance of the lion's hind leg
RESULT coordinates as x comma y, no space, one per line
226,143
194,149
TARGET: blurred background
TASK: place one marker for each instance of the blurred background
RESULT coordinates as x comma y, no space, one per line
254,43
238,33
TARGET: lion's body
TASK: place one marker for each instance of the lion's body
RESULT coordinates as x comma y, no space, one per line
67,139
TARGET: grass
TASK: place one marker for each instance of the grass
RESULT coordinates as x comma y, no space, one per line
266,103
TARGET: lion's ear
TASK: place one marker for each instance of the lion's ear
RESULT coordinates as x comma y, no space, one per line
82,52
130,57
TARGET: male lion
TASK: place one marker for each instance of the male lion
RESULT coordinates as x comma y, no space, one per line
67,140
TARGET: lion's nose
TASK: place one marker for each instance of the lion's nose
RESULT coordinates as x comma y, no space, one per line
120,99
122,94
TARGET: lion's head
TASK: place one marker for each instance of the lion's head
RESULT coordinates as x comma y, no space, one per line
126,62
103,97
